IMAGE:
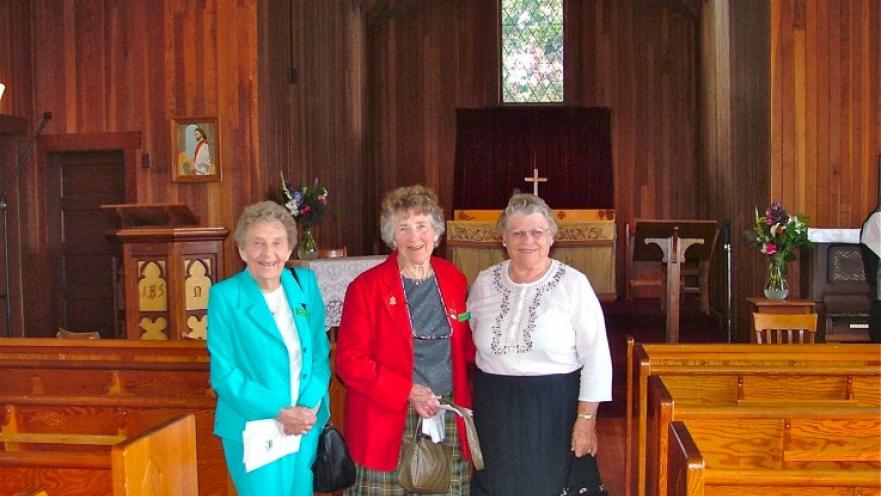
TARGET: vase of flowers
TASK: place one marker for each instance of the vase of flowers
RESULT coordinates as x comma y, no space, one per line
777,234
307,205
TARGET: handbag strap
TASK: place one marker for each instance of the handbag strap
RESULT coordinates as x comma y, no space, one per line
470,434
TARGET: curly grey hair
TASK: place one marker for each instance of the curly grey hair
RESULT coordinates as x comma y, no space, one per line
527,204
400,201
265,211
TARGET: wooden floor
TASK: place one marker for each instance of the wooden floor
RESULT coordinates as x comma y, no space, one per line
610,431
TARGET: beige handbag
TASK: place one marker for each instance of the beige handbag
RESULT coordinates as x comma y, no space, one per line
426,466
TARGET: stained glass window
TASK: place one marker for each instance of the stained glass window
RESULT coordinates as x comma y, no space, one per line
532,51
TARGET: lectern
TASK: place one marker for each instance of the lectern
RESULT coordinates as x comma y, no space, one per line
165,263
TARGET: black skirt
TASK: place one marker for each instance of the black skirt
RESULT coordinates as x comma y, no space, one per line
525,428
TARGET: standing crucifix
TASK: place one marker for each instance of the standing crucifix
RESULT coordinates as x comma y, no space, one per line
535,179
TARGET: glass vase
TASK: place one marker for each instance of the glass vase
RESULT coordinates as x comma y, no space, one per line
776,287
308,248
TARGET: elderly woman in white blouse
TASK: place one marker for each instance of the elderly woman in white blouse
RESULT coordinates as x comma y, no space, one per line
543,360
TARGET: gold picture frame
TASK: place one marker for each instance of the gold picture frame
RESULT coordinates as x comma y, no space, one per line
195,149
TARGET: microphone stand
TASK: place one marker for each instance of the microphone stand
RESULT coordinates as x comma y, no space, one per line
726,245
4,206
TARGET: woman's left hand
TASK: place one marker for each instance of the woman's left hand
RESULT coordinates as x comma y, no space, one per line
297,420
584,437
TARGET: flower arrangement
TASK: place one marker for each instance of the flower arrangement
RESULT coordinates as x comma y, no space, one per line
777,234
306,203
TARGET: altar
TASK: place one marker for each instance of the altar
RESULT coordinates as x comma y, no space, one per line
586,241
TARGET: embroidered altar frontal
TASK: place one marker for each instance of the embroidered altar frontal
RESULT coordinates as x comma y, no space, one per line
586,242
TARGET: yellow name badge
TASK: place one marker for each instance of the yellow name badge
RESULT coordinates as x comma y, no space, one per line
301,312
462,317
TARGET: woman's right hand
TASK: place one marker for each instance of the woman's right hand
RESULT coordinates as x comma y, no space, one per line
297,420
424,401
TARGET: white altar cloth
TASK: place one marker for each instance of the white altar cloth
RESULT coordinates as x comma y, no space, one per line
334,276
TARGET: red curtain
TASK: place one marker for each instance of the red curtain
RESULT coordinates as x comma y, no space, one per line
497,147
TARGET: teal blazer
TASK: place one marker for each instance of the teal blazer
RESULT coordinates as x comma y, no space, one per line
250,373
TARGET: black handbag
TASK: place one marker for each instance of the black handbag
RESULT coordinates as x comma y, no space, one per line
583,477
333,469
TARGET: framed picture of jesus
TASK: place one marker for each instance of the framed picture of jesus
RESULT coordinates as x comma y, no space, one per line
196,149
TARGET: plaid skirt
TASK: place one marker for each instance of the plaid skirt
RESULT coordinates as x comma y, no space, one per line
376,483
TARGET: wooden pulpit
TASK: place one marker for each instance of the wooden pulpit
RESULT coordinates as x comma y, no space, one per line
164,263
667,241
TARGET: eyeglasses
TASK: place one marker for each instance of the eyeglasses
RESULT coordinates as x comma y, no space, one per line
431,338
521,235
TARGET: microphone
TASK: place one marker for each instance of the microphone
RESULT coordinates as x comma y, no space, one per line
4,207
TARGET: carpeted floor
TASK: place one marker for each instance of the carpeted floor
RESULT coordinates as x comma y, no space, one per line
644,320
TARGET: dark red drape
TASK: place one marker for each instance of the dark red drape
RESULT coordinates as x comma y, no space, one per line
497,147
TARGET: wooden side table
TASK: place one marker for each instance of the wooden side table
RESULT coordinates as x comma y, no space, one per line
764,305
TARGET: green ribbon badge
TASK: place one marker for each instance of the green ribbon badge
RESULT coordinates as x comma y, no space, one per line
462,317
301,312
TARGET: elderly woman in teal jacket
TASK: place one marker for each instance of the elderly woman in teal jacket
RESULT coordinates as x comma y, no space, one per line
269,354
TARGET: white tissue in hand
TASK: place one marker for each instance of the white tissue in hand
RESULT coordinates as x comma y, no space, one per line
433,427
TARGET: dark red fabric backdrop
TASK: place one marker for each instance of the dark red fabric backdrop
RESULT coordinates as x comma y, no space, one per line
497,147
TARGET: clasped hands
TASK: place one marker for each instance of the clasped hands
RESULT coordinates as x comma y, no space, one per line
297,420
424,401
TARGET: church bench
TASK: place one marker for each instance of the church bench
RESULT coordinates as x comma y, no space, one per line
726,458
159,460
744,373
665,407
126,384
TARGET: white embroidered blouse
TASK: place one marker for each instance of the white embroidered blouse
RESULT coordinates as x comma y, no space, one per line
554,325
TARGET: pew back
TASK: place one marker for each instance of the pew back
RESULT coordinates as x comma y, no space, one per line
805,426
113,387
747,459
161,460
741,374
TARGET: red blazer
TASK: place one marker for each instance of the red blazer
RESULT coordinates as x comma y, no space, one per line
374,358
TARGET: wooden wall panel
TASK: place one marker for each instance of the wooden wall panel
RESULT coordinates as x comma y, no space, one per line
105,67
826,108
792,113
637,56
314,125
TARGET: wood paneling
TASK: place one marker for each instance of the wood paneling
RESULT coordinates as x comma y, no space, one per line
313,124
826,108
791,112
104,67
638,57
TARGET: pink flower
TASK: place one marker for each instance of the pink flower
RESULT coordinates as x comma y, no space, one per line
770,249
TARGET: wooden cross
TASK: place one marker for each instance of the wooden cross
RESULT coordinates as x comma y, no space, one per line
535,179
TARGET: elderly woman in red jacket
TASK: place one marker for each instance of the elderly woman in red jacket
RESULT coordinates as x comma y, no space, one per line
404,344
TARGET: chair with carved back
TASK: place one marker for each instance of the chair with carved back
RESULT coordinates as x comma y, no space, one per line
695,277
775,328
332,252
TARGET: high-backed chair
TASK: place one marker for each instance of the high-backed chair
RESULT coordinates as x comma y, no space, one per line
690,272
776,328
332,252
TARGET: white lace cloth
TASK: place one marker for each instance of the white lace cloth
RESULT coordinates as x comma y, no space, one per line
334,276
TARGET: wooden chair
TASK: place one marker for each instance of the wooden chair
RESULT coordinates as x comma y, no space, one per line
693,271
775,328
332,252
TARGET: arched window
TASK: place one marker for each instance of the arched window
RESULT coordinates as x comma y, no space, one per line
532,51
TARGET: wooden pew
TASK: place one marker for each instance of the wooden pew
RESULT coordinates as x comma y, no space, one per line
160,460
743,373
664,408
766,457
127,384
